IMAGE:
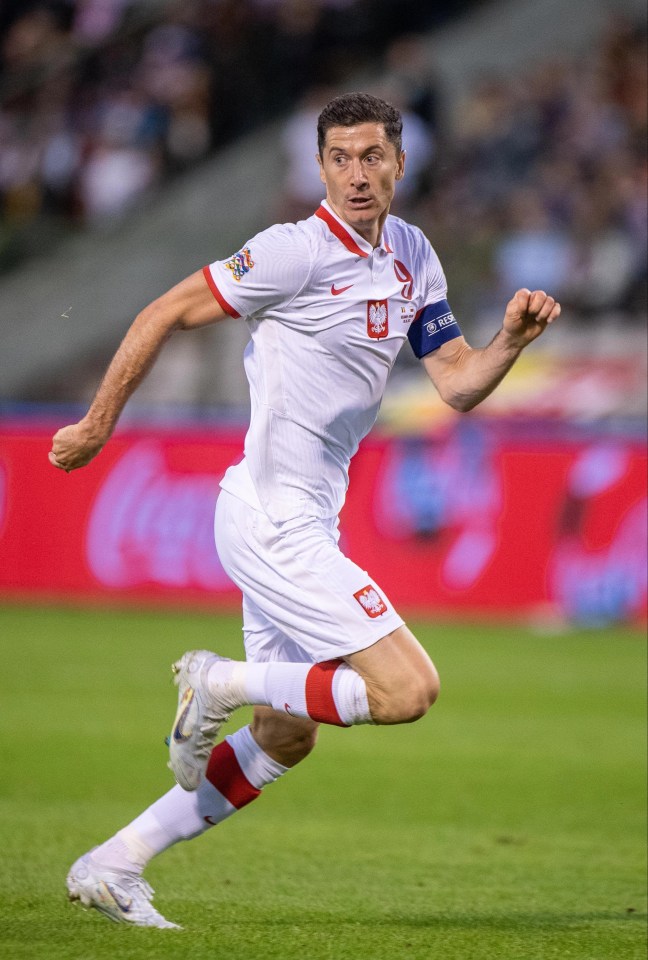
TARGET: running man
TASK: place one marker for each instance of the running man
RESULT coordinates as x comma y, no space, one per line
328,302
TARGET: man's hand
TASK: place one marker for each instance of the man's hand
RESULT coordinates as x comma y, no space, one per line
464,377
75,446
527,315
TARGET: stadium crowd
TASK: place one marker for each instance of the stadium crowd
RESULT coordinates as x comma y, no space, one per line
102,100
550,174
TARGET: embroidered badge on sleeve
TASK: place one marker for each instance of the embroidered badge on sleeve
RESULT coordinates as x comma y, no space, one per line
240,264
371,601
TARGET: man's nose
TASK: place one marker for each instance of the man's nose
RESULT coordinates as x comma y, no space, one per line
358,175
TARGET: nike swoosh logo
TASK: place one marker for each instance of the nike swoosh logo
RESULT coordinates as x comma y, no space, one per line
180,734
337,291
123,901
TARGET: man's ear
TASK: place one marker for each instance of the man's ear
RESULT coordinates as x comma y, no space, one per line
321,168
400,173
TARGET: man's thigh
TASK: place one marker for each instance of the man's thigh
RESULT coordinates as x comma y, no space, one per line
393,659
297,579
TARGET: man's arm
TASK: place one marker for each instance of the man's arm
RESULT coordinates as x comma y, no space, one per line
464,376
187,305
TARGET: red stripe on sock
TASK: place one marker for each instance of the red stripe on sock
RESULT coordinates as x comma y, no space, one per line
224,772
320,704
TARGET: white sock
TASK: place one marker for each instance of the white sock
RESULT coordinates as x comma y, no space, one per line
330,692
238,769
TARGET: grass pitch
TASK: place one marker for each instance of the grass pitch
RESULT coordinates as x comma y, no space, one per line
509,824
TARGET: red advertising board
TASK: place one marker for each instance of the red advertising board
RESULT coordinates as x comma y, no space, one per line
481,519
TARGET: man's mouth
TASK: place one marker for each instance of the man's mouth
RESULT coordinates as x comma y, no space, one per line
359,202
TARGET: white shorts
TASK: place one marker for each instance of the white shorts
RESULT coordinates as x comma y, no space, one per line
303,600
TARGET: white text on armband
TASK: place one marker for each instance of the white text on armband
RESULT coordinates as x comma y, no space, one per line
434,326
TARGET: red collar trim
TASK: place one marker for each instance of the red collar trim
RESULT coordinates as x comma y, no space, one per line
336,227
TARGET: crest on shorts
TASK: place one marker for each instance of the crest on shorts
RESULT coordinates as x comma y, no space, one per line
377,319
371,601
240,264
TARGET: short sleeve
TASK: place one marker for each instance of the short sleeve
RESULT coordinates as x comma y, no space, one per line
436,284
435,323
268,271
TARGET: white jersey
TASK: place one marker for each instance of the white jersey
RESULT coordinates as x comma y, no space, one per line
327,315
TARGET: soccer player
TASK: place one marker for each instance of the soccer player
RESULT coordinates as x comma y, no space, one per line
328,302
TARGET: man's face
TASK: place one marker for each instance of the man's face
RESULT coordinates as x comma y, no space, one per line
360,168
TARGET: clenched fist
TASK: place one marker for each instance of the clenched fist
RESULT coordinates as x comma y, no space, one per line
75,446
528,313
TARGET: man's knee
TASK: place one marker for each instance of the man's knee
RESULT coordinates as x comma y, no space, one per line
402,682
288,740
408,700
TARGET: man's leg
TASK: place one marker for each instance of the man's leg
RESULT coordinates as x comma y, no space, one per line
400,679
287,740
365,665
392,681
298,585
109,877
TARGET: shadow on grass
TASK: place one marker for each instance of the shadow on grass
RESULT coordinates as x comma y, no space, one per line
513,921
545,920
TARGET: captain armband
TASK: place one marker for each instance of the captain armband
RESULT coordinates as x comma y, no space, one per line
434,326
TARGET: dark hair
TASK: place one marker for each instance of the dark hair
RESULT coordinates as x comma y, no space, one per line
353,108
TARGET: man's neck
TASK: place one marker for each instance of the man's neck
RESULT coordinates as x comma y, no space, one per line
370,231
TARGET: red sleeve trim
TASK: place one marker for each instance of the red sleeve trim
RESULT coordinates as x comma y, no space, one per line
228,308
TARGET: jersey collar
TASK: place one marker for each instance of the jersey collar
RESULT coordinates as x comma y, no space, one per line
349,237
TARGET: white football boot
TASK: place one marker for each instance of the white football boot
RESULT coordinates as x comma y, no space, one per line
120,895
201,713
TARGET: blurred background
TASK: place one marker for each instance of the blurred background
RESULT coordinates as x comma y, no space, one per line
141,139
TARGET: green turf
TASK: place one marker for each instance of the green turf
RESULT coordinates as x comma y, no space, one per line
509,824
